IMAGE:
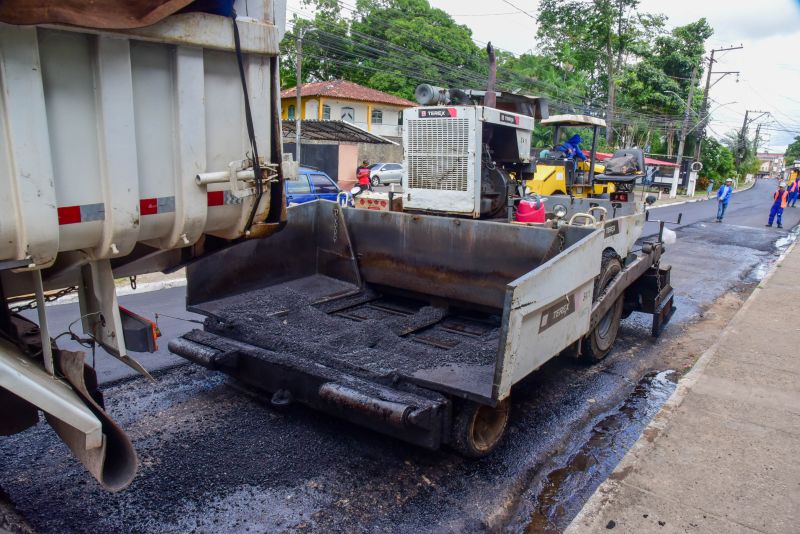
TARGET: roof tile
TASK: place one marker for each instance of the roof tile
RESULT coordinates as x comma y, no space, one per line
348,90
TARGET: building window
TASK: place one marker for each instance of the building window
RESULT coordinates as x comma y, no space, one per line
400,118
348,115
377,116
326,112
290,113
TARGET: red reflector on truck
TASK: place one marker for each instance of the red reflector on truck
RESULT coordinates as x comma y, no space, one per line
216,198
83,213
69,215
148,206
154,206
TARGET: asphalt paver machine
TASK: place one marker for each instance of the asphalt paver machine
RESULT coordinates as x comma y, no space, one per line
420,323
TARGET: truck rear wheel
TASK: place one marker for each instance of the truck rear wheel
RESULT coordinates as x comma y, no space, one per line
478,429
598,343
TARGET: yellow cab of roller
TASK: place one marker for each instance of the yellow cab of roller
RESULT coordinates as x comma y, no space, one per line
556,175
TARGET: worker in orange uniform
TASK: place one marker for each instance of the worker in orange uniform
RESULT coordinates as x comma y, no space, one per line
779,201
362,174
794,191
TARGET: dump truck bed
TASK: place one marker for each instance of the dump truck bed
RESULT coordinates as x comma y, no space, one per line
421,297
369,331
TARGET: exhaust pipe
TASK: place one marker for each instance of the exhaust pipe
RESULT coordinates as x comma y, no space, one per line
490,100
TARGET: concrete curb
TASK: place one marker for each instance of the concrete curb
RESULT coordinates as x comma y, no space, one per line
606,492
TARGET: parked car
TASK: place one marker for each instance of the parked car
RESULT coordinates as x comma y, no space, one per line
385,173
311,184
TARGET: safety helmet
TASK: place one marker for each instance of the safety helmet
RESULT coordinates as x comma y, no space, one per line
782,184
729,180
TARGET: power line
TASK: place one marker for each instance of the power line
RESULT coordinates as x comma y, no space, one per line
482,14
519,9
452,72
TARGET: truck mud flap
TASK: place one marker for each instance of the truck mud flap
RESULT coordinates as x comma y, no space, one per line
663,312
653,294
71,404
404,411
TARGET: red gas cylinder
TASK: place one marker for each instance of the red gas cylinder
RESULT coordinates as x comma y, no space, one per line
531,211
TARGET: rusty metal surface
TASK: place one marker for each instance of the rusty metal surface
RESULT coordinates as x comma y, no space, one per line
314,241
463,260
393,413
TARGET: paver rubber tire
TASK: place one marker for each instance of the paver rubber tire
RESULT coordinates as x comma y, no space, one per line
598,343
375,181
478,429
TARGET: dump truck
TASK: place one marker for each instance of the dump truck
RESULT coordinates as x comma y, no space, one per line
127,145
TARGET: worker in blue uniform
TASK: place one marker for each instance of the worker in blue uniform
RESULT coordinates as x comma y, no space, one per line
572,148
794,191
724,194
779,201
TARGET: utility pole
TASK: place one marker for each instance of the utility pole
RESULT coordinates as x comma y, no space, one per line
673,190
755,141
299,86
742,144
704,106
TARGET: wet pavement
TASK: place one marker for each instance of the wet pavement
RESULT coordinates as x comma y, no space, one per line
217,458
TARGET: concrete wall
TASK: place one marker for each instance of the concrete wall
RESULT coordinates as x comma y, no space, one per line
348,162
381,153
341,164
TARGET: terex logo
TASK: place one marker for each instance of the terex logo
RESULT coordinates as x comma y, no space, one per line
564,307
611,228
509,119
438,113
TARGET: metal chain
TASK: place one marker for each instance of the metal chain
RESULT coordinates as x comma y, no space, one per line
335,224
658,277
48,298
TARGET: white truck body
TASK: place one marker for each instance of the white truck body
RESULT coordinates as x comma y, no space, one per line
118,148
103,133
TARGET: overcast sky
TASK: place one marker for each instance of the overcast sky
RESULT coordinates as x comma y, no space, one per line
769,63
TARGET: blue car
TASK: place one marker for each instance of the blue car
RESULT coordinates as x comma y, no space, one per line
311,184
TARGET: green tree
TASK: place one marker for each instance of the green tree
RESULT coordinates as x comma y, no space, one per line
717,161
389,45
660,82
793,151
327,54
610,35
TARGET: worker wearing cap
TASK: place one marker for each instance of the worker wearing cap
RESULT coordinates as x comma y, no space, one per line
779,200
723,197
794,191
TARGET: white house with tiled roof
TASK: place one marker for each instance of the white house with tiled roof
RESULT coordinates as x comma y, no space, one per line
375,111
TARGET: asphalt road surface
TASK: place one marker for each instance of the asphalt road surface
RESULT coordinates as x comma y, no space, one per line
217,458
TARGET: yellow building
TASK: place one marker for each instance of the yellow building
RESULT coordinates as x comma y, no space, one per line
375,111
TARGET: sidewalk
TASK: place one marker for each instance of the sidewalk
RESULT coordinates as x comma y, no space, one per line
723,454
